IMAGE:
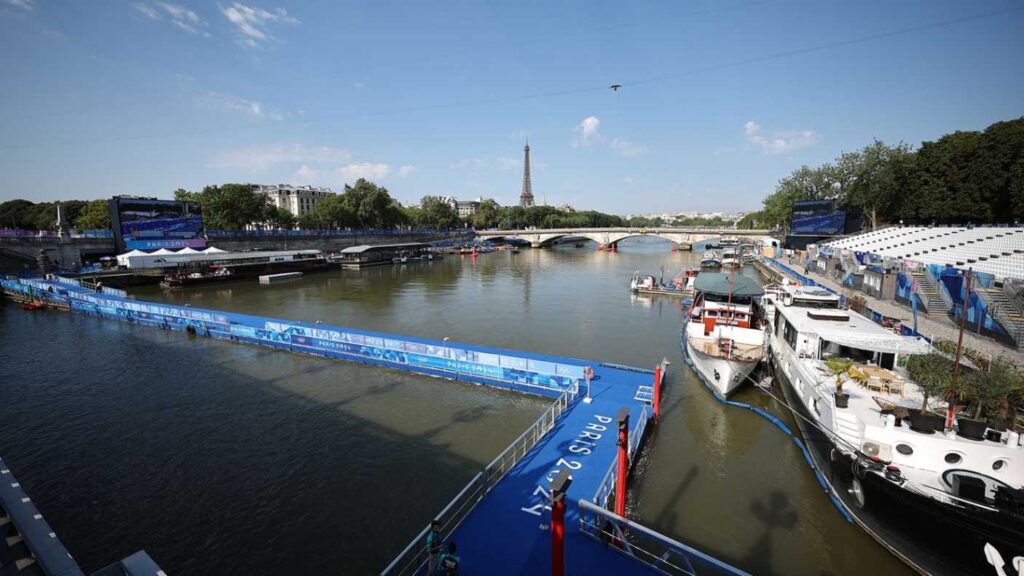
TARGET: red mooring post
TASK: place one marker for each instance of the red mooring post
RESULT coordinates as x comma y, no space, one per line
559,487
657,392
620,479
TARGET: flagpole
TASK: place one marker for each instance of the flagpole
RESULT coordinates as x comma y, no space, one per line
959,349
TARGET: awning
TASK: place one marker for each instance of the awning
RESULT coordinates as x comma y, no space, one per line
890,343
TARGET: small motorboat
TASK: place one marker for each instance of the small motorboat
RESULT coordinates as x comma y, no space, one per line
710,259
515,250
33,305
400,259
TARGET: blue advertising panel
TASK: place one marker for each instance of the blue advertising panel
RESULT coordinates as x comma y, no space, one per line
551,374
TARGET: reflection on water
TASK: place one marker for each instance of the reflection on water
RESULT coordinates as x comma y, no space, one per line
276,436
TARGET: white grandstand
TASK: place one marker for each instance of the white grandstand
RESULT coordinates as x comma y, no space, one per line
994,250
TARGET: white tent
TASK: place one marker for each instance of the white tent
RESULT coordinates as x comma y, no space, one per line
162,252
122,259
188,250
213,250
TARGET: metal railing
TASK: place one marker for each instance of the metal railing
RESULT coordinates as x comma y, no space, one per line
735,351
941,287
411,559
607,486
657,551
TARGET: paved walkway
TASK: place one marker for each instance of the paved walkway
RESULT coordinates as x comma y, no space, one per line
933,327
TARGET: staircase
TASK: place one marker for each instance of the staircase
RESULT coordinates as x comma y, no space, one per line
1004,307
928,292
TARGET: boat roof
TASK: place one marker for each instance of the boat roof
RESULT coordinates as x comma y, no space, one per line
371,247
848,328
718,283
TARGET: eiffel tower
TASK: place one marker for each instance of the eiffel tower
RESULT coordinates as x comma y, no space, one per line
526,197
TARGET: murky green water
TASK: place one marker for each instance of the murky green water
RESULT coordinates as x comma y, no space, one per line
257,459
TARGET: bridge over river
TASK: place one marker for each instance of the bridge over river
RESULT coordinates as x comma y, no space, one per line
610,237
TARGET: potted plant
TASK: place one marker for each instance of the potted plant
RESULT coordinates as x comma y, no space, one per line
933,374
839,368
991,393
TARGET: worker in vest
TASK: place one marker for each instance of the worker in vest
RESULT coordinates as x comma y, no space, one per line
435,544
449,564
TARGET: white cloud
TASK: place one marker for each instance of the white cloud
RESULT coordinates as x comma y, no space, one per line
405,170
778,142
627,149
365,170
270,156
146,10
470,163
359,85
236,104
589,134
253,24
628,179
176,14
506,163
25,5
338,177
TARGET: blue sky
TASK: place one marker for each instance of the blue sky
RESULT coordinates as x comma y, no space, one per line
720,99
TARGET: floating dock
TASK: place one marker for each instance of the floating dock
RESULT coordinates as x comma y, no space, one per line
275,278
502,520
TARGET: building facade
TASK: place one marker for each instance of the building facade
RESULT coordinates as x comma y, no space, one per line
298,200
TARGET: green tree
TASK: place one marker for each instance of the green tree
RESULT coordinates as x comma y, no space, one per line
16,214
436,213
336,212
232,206
486,215
95,215
933,373
279,218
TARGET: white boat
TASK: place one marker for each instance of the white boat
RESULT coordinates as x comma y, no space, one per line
943,502
722,337
710,259
730,257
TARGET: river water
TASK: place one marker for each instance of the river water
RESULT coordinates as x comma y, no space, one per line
223,458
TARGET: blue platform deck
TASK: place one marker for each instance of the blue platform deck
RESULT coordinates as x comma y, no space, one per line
507,534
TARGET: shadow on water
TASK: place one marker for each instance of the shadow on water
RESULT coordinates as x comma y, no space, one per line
668,513
775,514
219,458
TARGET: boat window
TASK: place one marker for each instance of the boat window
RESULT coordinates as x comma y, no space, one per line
790,335
999,465
710,313
904,449
953,458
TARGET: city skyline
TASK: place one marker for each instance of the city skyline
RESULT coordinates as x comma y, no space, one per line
716,104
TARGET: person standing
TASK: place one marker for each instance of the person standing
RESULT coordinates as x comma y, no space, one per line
449,562
435,543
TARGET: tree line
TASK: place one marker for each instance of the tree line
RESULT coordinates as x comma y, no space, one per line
963,177
80,214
